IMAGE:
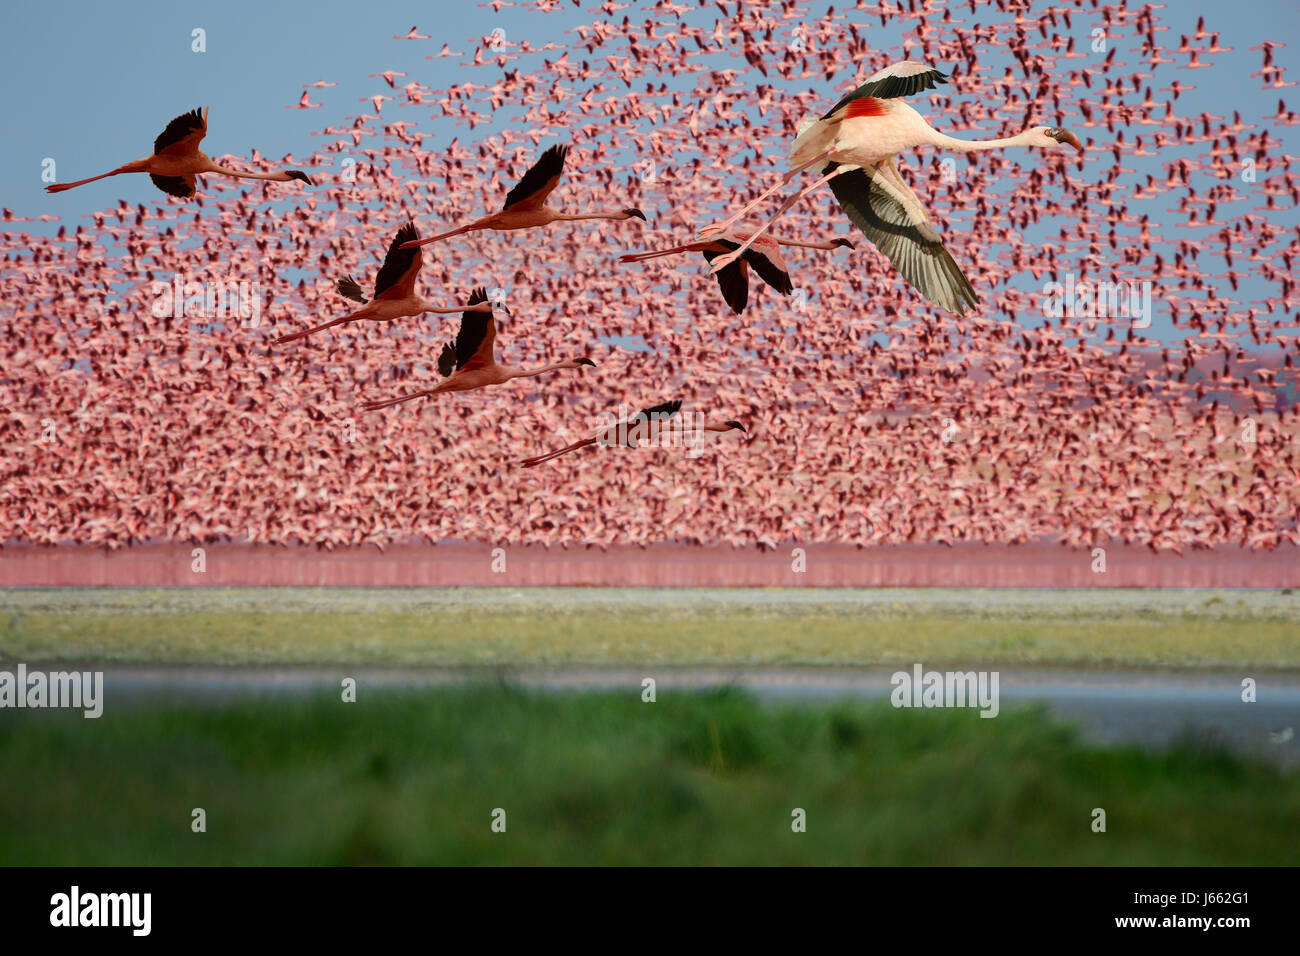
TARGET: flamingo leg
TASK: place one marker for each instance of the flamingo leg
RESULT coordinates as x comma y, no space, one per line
60,187
718,227
530,462
293,337
386,402
722,262
642,256
416,243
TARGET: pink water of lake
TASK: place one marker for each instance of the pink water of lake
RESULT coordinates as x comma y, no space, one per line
666,565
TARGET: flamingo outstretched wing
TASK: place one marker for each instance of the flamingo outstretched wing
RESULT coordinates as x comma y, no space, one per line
661,411
182,136
182,187
475,342
770,270
890,215
732,280
897,79
396,279
349,288
538,182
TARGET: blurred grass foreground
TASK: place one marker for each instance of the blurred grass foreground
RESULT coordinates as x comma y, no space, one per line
419,776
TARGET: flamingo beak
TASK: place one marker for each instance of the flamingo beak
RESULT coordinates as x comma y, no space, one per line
637,213
735,424
1066,136
299,174
586,361
844,242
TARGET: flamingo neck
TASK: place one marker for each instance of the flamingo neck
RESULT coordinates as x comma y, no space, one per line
806,245
608,214
276,176
529,373
973,145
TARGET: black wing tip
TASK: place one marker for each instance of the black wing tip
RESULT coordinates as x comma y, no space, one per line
173,186
179,127
350,288
735,288
891,87
664,408
397,260
733,281
776,277
548,166
447,360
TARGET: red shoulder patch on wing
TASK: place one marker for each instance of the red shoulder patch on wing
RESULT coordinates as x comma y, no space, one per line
867,106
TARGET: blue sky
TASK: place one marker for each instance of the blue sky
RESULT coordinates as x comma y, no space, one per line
99,81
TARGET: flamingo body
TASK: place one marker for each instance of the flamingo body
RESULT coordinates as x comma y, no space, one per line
855,143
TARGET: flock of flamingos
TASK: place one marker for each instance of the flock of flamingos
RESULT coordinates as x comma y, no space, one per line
902,425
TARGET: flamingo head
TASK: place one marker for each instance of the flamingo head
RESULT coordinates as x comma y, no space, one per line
632,213
736,425
1055,136
842,242
299,174
583,361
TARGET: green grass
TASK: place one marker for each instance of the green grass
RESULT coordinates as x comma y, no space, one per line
619,627
412,777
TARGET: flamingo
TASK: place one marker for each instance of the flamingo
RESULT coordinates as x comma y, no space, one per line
765,258
394,296
177,160
526,206
650,424
304,102
858,140
471,363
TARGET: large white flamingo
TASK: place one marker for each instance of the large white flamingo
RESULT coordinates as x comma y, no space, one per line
765,258
395,296
526,207
177,160
857,141
648,425
471,362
